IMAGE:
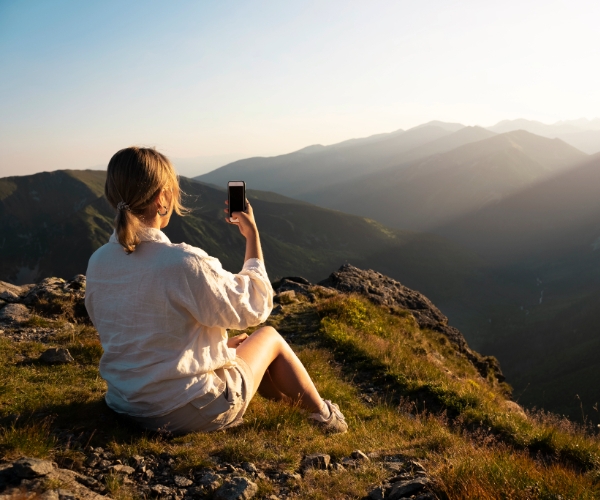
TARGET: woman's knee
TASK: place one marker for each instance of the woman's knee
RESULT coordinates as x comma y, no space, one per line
269,333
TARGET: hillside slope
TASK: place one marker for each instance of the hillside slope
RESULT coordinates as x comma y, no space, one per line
544,243
423,420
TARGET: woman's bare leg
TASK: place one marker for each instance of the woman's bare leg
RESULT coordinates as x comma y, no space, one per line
281,373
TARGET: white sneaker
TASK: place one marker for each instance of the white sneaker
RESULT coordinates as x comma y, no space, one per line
335,424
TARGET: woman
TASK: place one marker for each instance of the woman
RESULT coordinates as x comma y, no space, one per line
162,311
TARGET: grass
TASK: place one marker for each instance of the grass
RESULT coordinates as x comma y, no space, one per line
431,405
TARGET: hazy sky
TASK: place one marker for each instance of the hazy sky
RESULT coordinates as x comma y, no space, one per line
225,79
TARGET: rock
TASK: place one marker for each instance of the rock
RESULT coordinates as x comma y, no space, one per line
161,490
377,493
182,482
287,297
56,355
337,467
12,293
210,480
315,461
416,467
236,488
386,291
14,313
349,463
121,469
359,456
27,468
137,461
92,461
57,296
49,495
249,467
104,464
407,488
64,494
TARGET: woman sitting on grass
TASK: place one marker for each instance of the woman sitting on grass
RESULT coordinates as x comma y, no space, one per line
162,310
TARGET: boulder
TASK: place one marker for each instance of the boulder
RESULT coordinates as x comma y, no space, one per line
27,468
236,488
14,313
57,355
12,293
407,488
315,461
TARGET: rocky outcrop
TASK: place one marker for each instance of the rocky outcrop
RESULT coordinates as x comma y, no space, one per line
385,291
52,297
36,477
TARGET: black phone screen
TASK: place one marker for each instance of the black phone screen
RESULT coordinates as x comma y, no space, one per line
237,198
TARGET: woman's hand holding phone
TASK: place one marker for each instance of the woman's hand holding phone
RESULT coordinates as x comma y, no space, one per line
243,220
247,226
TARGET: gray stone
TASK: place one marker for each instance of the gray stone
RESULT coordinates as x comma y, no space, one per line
249,467
237,488
359,456
137,460
377,493
92,461
56,355
407,488
12,293
315,461
337,467
64,494
121,469
27,468
14,313
210,480
104,464
182,482
161,490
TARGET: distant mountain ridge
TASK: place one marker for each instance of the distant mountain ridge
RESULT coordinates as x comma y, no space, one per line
583,134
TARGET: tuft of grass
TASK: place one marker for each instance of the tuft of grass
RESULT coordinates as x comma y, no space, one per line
32,439
489,473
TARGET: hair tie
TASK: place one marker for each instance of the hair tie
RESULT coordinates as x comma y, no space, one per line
122,206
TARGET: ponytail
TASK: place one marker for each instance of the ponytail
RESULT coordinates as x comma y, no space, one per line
134,178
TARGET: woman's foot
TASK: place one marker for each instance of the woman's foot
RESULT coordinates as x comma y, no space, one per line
334,423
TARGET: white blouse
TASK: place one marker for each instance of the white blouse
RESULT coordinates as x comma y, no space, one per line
162,313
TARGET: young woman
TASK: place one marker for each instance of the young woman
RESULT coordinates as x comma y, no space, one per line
162,311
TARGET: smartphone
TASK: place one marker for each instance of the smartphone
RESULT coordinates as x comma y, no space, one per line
237,197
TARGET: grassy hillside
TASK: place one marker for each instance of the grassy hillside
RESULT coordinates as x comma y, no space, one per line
406,392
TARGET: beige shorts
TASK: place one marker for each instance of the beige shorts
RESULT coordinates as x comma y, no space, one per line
223,412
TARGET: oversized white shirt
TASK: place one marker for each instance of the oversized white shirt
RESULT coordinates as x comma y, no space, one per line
162,314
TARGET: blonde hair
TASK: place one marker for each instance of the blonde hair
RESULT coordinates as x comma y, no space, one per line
135,177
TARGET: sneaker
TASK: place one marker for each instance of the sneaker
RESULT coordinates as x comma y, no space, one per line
335,424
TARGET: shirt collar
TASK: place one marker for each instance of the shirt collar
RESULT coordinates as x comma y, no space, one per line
146,234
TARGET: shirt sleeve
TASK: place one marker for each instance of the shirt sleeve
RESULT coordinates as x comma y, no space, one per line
218,298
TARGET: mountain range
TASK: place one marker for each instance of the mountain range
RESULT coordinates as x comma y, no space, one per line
510,253
51,223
